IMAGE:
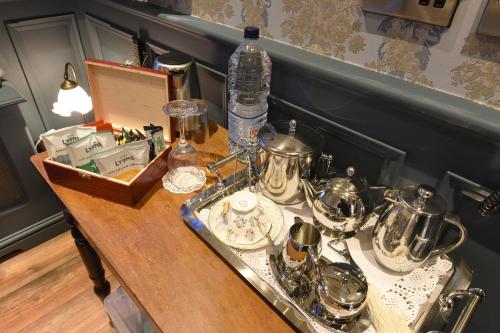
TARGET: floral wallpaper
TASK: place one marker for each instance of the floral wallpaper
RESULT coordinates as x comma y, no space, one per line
405,49
213,10
480,77
255,12
453,60
319,34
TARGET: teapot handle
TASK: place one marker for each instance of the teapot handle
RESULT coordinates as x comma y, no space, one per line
390,196
445,248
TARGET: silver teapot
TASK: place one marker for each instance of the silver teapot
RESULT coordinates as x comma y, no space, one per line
407,231
340,205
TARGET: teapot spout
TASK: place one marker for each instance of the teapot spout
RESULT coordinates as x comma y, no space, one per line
310,191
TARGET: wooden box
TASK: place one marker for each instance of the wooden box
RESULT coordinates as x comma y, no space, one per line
124,96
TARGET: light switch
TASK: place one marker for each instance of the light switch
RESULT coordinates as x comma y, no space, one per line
437,12
489,24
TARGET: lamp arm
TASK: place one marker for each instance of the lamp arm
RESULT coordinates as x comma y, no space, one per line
66,77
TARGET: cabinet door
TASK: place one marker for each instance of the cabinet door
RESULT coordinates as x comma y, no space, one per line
29,211
111,43
43,47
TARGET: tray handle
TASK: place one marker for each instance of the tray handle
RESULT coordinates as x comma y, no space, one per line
447,302
214,167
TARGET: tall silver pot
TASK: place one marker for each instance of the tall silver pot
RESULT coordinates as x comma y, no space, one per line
287,152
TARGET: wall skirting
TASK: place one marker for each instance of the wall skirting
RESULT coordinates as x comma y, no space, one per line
33,235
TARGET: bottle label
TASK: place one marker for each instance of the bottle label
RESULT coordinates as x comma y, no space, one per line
244,129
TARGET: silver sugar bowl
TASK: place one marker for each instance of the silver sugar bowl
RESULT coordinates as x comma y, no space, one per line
342,291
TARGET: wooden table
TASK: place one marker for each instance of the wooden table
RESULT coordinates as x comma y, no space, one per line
171,274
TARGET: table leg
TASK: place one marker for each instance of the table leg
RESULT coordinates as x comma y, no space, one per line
90,258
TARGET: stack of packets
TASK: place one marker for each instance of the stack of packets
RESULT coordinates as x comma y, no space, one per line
94,147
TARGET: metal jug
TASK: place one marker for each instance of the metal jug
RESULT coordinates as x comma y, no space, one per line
406,233
184,85
300,250
179,64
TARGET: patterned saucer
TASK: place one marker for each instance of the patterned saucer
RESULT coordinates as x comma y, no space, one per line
267,221
184,179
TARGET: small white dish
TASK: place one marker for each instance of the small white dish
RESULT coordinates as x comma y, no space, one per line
245,227
184,179
243,202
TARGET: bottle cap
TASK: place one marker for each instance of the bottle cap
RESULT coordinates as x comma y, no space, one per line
251,33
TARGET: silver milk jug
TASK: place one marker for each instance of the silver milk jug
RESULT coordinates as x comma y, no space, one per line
407,231
300,251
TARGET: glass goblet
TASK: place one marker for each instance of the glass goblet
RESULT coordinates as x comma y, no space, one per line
183,154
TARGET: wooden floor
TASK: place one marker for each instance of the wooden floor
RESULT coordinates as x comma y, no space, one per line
46,289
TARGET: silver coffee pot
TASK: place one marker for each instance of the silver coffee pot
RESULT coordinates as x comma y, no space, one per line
407,231
342,204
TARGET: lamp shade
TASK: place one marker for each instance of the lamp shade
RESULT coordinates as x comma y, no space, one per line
69,100
71,96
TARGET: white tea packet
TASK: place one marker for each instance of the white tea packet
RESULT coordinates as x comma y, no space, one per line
81,152
154,134
55,141
125,161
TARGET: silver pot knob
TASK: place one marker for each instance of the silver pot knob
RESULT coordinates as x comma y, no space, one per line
425,191
350,171
292,126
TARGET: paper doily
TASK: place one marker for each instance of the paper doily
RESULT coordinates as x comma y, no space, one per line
184,179
413,289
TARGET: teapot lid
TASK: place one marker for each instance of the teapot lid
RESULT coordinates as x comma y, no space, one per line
291,138
424,199
342,284
350,182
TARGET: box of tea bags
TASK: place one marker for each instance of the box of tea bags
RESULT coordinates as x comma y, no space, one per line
128,98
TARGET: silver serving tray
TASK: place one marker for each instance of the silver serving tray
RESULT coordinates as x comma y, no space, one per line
431,320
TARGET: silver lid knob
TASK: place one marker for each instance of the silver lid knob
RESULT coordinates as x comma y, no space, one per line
292,125
425,192
350,171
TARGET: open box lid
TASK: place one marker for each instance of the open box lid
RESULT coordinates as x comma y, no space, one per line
128,96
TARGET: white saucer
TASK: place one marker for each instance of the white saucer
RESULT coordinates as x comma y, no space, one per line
220,229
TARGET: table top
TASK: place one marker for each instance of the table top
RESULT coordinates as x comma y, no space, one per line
171,274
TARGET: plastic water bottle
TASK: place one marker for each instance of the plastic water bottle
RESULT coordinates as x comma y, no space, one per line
249,84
